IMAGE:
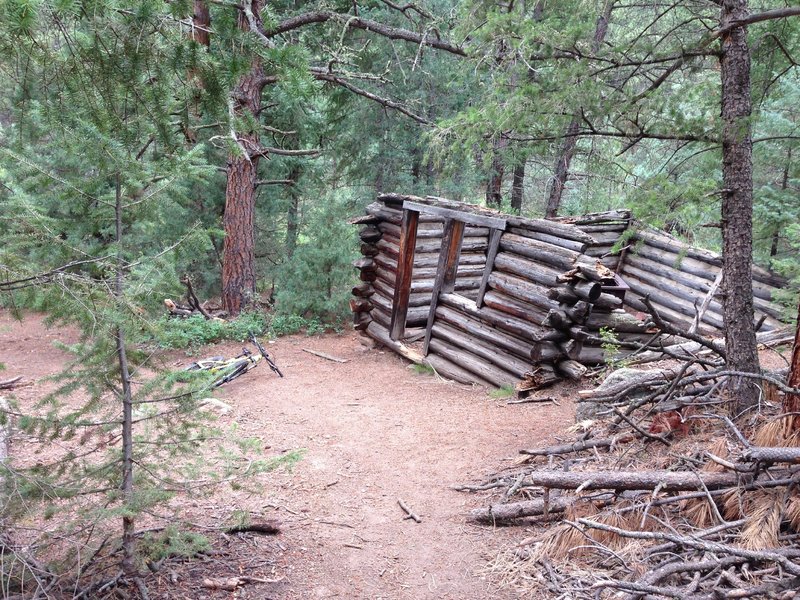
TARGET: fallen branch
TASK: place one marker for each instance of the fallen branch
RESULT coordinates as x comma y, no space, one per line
10,384
411,513
325,356
569,448
501,513
265,528
231,584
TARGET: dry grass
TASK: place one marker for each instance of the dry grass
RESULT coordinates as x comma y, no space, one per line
777,433
764,515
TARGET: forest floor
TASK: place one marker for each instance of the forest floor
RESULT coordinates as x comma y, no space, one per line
373,430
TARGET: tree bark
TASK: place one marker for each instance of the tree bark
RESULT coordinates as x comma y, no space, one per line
737,207
494,191
238,255
518,187
791,402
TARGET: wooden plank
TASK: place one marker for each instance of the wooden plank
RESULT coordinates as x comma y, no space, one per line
457,215
447,270
491,254
405,267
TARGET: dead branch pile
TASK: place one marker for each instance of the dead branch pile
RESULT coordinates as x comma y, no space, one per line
192,305
662,495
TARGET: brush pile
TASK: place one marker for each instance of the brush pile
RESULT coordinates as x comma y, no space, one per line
661,495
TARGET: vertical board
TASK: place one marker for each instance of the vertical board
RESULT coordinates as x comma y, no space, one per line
446,271
405,266
491,253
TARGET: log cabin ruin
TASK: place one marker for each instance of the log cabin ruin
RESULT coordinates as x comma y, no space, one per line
498,300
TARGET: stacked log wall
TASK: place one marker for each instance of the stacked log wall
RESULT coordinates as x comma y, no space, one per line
679,278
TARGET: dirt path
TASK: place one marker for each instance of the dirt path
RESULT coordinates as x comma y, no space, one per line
373,431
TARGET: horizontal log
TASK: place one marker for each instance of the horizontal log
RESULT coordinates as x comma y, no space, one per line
526,269
607,301
370,234
605,236
599,250
381,334
522,289
364,264
369,249
361,321
515,308
571,369
382,318
546,352
586,290
644,260
560,230
450,370
363,290
525,330
676,303
430,230
389,250
616,320
470,215
484,332
367,219
665,481
552,256
667,242
575,246
671,316
420,299
562,294
360,305
609,216
481,348
595,355
502,513
617,226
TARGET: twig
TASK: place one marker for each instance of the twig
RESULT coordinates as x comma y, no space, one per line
325,356
411,513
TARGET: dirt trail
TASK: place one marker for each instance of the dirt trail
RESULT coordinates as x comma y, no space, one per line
373,431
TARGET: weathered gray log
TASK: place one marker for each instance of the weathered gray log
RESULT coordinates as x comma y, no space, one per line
666,242
607,301
546,352
521,310
603,218
615,226
450,370
571,369
361,321
665,481
570,448
678,305
576,246
381,317
525,330
586,290
522,289
761,294
363,290
541,376
380,333
765,454
572,348
552,256
484,332
501,513
485,350
593,355
559,230
414,300
618,320
562,294
430,230
364,264
527,269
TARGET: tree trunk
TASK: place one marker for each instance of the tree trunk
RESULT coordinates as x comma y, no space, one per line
562,163
494,192
737,207
518,187
791,402
293,214
238,255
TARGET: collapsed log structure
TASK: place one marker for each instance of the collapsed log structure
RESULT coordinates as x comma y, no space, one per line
502,300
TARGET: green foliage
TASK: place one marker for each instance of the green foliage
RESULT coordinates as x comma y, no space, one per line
611,348
281,325
196,330
172,543
507,391
316,280
423,369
